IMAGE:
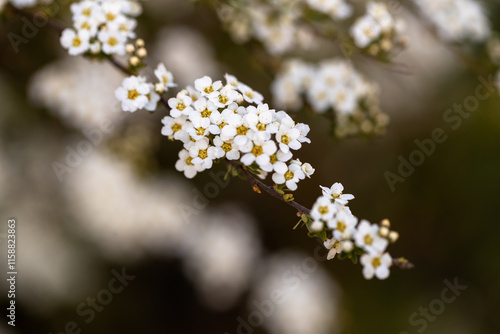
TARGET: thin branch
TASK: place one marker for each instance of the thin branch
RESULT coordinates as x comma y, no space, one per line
262,186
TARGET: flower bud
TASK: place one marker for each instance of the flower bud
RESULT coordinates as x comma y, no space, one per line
383,232
347,246
159,88
393,236
130,48
307,169
385,223
95,47
140,43
142,52
317,226
134,61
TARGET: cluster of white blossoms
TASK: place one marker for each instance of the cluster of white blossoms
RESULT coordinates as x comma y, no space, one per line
332,84
137,93
101,26
331,213
378,31
457,20
280,25
216,121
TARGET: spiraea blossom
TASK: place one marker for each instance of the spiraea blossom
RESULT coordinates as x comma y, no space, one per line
377,30
280,25
217,120
331,215
458,20
332,85
101,26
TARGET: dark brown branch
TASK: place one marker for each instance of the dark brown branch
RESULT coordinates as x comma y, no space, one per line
262,186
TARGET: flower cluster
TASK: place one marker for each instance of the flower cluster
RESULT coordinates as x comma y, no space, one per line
281,25
332,84
136,93
212,121
457,21
377,31
350,239
101,27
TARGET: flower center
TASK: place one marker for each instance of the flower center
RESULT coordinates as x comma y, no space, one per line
200,131
208,89
176,127
368,239
242,130
110,16
227,147
85,25
203,154
323,210
249,94
341,226
223,99
76,42
261,127
221,125
87,12
274,159
289,175
181,106
285,139
112,41
376,262
206,113
188,161
133,94
257,150
165,79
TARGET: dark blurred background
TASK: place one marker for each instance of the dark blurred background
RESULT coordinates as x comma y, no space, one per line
72,234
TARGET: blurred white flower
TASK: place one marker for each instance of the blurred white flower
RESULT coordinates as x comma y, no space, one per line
78,91
222,256
186,51
309,299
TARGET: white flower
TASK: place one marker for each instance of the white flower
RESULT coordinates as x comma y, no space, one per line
153,98
199,127
181,105
226,148
164,76
334,246
307,169
323,209
133,93
202,153
206,87
113,42
287,138
304,131
226,96
293,175
258,151
343,225
76,42
335,192
249,94
174,128
185,164
366,237
365,30
277,162
376,265
124,25
379,12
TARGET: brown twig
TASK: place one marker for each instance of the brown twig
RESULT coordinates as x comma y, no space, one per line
262,186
